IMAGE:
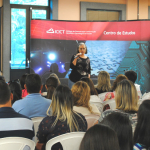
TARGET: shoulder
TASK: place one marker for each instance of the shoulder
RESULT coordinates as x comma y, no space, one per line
19,102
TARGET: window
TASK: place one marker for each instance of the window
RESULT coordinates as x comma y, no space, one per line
30,2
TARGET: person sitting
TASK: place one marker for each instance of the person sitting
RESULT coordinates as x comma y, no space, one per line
132,76
103,82
94,99
111,95
81,98
121,124
142,130
126,102
100,137
33,105
13,124
55,75
62,119
51,84
22,83
16,91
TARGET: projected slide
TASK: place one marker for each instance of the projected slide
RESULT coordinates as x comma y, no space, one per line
112,46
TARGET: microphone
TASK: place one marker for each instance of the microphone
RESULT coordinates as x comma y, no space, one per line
78,55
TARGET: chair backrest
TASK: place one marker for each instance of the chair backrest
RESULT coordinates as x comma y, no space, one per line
36,122
111,103
16,143
91,119
102,96
146,96
69,141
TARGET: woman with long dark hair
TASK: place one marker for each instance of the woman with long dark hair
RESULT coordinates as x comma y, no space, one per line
142,130
100,137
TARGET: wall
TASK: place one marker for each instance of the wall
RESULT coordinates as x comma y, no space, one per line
70,9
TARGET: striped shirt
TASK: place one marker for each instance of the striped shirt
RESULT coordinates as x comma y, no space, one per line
13,124
138,146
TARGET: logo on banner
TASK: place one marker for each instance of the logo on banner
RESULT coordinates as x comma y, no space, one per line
50,31
55,31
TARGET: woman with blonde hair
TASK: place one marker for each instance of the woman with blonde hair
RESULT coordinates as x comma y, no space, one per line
81,98
126,98
62,118
103,82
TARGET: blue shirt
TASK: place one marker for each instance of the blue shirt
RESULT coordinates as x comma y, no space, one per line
33,105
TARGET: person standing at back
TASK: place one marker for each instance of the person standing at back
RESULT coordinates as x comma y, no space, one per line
33,105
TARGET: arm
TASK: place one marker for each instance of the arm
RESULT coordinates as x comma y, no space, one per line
73,61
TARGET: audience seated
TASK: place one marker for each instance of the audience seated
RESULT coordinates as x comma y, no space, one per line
121,124
94,99
16,91
126,102
51,84
132,76
22,83
111,95
55,75
142,130
100,137
62,118
81,98
12,123
33,105
103,84
2,78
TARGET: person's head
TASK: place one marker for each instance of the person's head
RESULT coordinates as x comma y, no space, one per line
2,78
33,83
16,91
81,94
99,137
142,130
90,84
103,82
131,75
51,84
118,79
55,75
126,96
121,124
4,93
22,80
62,106
82,48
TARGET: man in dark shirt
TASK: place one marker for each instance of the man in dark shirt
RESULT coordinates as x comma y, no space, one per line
12,124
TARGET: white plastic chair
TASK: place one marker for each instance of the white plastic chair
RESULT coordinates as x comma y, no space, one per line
36,122
91,119
16,143
102,96
146,96
111,103
69,141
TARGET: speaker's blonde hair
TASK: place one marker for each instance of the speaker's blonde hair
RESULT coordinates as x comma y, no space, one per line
126,96
62,107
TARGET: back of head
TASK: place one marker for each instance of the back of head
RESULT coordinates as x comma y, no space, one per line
103,81
22,80
126,96
81,94
131,75
33,83
100,137
4,93
51,84
16,91
62,107
2,78
121,124
119,78
55,75
142,130
90,84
